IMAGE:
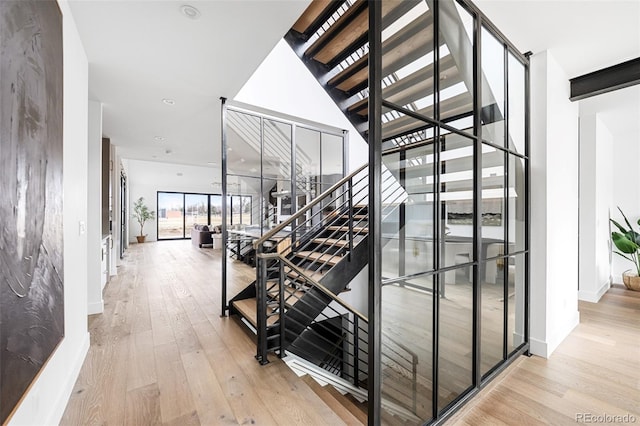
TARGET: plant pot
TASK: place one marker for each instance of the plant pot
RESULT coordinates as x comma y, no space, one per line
141,238
631,280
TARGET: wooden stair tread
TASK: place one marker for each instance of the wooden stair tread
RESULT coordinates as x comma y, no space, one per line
332,242
354,407
412,42
415,86
316,275
327,259
316,9
350,27
291,296
248,308
355,216
450,107
356,229
349,32
336,404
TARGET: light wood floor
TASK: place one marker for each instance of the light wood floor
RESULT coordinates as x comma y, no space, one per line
161,354
593,372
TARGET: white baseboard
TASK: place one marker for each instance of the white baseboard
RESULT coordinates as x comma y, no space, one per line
95,308
546,348
67,387
46,400
594,296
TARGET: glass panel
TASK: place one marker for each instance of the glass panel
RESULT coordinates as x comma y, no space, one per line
243,202
243,142
170,215
236,209
196,211
276,158
307,165
516,105
331,164
215,209
407,345
493,203
456,186
455,360
492,322
456,95
517,206
493,109
391,228
279,199
407,61
418,176
515,324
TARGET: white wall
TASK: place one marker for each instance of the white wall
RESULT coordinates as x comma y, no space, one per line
596,181
554,206
46,400
146,178
625,190
282,83
94,210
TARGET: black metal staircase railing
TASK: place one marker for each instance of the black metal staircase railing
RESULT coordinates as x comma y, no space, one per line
297,312
335,339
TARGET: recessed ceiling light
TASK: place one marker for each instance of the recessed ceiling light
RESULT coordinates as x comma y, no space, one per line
242,160
168,101
213,163
229,149
253,170
190,11
158,138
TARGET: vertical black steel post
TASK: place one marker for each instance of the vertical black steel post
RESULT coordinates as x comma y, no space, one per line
477,201
294,182
356,350
351,213
375,210
281,306
262,275
402,218
223,161
435,212
507,210
527,186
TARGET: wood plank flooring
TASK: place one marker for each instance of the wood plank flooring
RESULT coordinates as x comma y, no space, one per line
594,372
161,354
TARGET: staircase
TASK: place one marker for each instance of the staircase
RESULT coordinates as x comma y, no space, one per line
305,263
331,38
294,308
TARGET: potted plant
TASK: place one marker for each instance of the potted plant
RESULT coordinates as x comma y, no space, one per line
627,241
141,213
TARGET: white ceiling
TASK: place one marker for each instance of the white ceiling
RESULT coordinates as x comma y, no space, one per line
143,51
583,36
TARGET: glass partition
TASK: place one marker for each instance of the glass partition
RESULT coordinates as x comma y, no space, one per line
272,166
454,177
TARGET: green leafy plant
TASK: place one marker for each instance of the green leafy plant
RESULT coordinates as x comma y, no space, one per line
141,213
627,241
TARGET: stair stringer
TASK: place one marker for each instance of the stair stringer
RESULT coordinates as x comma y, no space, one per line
305,310
301,366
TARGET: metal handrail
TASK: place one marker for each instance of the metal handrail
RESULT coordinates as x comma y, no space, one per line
315,283
269,235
